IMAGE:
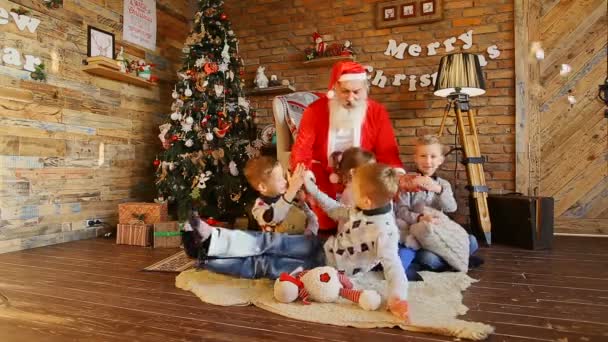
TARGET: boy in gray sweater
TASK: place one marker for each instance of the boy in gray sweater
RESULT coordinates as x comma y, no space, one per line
434,192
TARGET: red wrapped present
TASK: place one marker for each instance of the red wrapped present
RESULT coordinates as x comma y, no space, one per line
135,233
150,213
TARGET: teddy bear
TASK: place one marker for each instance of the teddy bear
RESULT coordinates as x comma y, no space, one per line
324,285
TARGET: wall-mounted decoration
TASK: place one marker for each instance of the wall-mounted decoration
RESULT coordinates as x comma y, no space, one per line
100,43
320,49
10,55
406,50
139,23
53,3
428,7
408,12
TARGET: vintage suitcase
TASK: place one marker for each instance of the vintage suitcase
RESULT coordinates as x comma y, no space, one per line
518,220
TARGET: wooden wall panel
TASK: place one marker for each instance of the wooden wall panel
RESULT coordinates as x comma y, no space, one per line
74,147
570,140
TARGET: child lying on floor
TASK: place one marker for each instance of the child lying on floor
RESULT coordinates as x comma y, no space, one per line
435,193
254,255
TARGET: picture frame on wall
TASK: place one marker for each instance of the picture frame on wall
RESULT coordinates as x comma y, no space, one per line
391,13
100,43
427,7
408,10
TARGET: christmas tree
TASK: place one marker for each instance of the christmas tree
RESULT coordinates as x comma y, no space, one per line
210,134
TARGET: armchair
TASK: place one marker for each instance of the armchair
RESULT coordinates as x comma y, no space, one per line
287,111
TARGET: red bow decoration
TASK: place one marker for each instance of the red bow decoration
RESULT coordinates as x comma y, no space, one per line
288,277
302,293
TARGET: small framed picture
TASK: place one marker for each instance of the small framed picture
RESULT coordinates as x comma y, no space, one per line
408,10
100,43
428,7
389,13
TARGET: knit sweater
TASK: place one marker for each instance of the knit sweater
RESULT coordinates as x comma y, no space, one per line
276,214
409,205
369,238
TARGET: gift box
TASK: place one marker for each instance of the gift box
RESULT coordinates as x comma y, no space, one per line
150,213
167,235
135,233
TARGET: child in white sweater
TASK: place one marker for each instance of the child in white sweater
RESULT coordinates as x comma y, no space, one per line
369,235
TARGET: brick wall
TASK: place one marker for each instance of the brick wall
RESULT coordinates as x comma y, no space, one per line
274,33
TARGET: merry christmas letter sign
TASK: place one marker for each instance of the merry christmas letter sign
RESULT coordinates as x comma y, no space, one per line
139,22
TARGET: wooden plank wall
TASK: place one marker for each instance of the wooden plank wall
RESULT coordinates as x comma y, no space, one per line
74,147
562,150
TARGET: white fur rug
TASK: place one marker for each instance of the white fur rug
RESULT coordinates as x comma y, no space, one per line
434,303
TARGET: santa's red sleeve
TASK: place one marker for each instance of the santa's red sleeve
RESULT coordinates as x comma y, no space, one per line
301,151
385,147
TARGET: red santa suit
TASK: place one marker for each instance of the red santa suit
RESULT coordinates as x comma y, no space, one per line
316,139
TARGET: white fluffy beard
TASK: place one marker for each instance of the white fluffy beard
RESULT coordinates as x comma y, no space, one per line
341,117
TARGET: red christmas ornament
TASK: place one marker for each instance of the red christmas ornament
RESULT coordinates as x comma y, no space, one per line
174,138
156,162
223,16
220,113
210,68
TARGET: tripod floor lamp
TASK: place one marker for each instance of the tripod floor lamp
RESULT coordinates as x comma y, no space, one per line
460,77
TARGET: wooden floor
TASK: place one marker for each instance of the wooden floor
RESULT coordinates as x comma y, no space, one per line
94,290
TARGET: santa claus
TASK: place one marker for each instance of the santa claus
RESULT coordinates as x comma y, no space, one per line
344,118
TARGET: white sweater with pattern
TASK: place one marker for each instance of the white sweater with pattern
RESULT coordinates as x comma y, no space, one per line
369,238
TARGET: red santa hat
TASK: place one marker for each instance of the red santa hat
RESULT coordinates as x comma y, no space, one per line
345,71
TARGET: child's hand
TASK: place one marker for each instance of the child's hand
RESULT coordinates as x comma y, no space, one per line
399,308
408,183
428,219
296,180
428,184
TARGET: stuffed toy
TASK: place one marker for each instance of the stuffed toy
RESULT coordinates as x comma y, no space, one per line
324,285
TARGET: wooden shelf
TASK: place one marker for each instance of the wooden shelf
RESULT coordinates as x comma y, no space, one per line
104,71
270,90
325,61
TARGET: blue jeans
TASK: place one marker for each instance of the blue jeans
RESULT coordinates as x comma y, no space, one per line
407,256
434,262
253,254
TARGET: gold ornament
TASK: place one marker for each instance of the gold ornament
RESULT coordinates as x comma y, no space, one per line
218,154
235,197
200,82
